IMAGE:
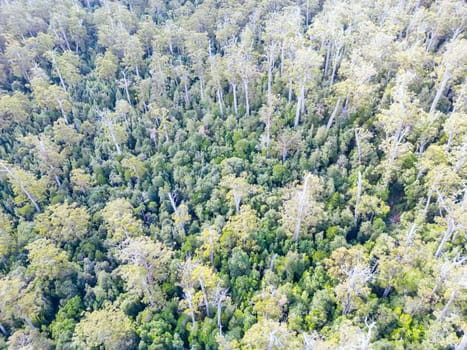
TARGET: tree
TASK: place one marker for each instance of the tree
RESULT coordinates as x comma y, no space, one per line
287,141
19,300
396,122
14,109
114,130
302,208
238,187
268,334
108,327
120,222
64,223
144,267
49,158
25,185
450,67
352,270
47,262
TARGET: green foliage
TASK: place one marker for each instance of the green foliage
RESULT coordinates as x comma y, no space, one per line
217,174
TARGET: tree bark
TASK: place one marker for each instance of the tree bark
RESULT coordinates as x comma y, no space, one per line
334,114
439,92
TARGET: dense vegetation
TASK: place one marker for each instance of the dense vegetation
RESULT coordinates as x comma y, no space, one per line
233,174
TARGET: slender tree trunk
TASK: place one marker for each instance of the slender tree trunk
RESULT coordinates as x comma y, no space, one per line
463,344
387,290
268,135
328,57
29,323
59,73
357,201
205,296
3,330
301,98
448,305
446,237
23,189
219,101
234,92
247,99
334,114
289,99
335,66
190,306
439,92
126,87
219,314
113,136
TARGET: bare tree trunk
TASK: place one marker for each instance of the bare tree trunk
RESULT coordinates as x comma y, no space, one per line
357,201
300,99
219,101
446,237
247,99
463,344
234,92
205,296
57,69
190,306
328,56
126,87
23,189
112,135
448,305
439,92
268,135
334,66
28,321
334,114
3,330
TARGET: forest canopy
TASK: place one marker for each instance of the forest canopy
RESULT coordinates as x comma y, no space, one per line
220,174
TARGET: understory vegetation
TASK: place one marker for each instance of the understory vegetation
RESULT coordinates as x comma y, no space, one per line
233,174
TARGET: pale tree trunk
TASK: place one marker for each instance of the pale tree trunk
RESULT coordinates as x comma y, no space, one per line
328,56
175,209
29,322
289,98
335,66
448,305
189,298
205,296
60,104
334,114
446,237
268,134
219,314
463,344
234,92
439,92
300,103
357,201
127,93
57,69
3,330
112,135
247,99
219,101
23,189
237,200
